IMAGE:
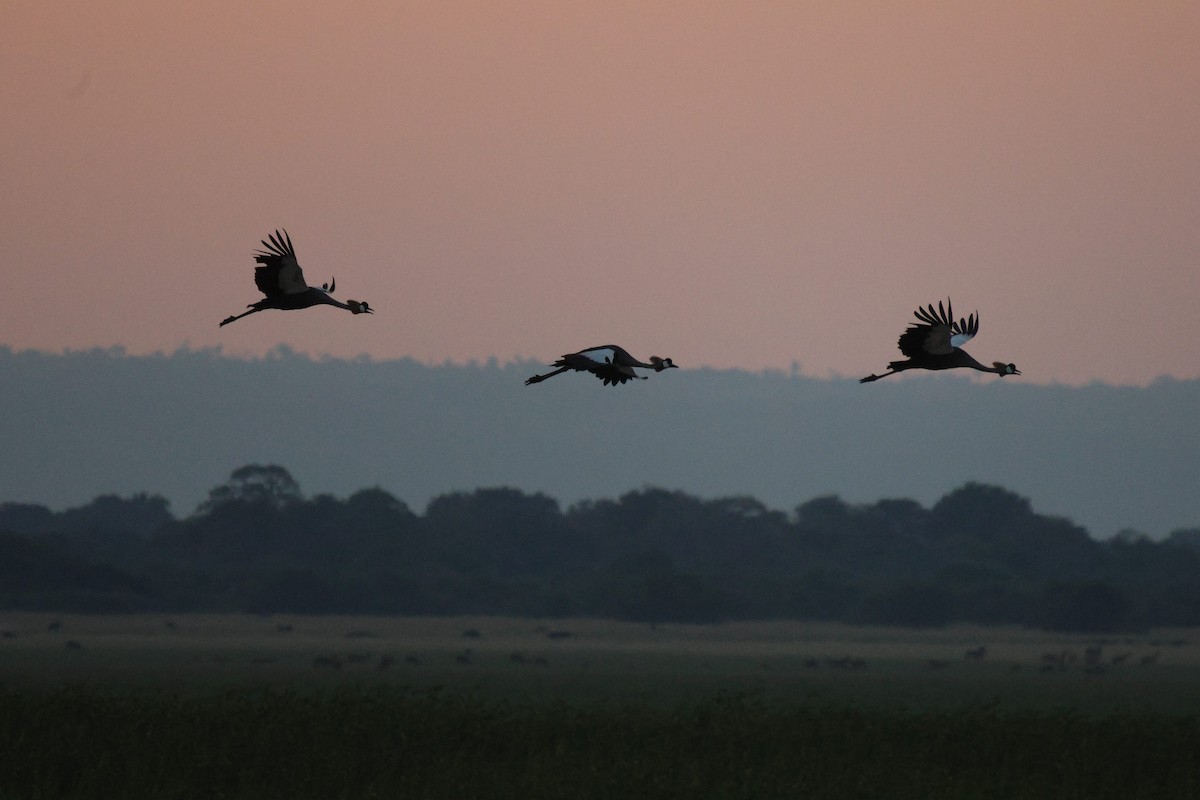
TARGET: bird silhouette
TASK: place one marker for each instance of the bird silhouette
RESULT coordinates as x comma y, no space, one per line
609,363
936,343
282,281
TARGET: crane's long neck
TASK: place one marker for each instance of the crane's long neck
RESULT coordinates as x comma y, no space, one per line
997,367
973,364
331,301
353,306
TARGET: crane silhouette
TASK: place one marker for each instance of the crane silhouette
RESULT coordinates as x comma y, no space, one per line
936,343
609,363
282,281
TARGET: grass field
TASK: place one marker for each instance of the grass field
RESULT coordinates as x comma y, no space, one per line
521,659
242,706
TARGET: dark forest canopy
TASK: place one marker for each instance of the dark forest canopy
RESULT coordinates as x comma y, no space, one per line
257,544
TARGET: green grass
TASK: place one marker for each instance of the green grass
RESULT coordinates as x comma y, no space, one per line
234,707
386,742
604,661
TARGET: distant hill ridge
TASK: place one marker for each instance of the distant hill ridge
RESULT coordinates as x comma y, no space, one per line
82,424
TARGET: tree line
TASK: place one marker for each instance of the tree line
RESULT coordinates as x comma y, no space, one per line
257,544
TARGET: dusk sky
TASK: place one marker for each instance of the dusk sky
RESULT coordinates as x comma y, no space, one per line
728,184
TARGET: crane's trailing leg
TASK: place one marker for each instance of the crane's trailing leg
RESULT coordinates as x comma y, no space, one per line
893,368
540,378
230,319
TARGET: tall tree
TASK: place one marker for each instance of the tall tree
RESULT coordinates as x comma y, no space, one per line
254,484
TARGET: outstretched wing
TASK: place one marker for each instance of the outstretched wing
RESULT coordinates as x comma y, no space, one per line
965,330
280,273
934,334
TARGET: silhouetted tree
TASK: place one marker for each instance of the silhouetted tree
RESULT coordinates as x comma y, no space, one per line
377,503
994,525
980,504
306,591
981,554
37,574
823,594
1185,537
254,484
497,530
140,515
828,513
984,593
1089,607
25,518
648,588
916,605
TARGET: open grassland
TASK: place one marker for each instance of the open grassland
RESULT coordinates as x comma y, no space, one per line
328,707
522,659
387,743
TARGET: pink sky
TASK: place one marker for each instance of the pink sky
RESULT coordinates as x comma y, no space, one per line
729,184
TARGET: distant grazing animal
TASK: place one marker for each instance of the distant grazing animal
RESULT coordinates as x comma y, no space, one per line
936,341
282,281
609,363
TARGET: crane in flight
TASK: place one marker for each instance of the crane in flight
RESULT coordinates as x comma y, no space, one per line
282,281
609,363
935,342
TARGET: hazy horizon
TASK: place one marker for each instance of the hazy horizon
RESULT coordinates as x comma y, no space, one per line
99,422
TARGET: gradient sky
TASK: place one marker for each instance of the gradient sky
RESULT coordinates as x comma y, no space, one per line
730,184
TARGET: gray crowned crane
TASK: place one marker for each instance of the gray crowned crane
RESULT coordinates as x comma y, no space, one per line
282,281
609,363
936,343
